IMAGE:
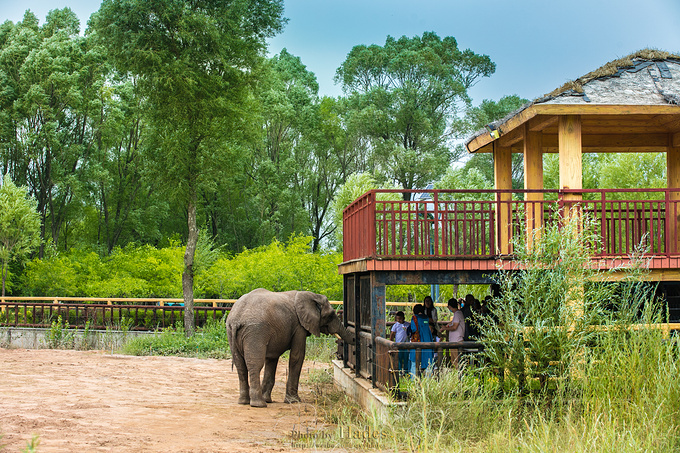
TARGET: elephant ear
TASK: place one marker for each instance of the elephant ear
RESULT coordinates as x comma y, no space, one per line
308,309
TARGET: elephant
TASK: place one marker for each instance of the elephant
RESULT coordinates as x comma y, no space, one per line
262,325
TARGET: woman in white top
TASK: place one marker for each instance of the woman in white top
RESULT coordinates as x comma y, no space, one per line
456,328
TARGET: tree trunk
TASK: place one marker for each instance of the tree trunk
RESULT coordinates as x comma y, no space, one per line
4,277
188,274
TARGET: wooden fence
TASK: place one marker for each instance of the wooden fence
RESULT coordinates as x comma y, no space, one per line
144,314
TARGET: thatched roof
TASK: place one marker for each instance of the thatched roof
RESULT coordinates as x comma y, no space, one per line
645,77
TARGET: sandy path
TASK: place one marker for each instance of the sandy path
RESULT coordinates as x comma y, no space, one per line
93,401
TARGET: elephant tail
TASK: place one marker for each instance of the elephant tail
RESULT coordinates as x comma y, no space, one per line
232,335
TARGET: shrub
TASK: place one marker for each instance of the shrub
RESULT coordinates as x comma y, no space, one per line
277,267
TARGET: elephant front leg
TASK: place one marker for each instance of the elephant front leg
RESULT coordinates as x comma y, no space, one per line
269,377
297,358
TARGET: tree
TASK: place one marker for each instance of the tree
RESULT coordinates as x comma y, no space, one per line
477,118
19,225
405,95
196,62
288,100
50,77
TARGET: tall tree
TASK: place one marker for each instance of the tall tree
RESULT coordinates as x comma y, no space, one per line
405,95
288,98
49,76
195,62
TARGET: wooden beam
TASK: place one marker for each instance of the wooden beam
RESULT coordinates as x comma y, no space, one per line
533,161
672,182
602,109
675,140
502,168
541,122
488,148
647,142
571,109
509,125
512,138
609,149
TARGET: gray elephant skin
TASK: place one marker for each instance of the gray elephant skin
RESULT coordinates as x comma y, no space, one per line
262,325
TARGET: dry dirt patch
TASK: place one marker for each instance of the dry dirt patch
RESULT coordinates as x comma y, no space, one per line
92,401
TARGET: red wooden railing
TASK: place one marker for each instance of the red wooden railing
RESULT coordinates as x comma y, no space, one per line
479,224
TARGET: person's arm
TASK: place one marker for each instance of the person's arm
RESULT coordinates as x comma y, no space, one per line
451,326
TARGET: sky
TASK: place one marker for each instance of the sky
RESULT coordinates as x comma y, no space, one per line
537,45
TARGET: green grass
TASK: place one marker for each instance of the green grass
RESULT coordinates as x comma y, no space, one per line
208,342
623,396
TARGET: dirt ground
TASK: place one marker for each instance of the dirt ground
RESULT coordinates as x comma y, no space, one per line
91,401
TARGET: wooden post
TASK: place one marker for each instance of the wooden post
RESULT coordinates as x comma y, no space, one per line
502,172
673,182
533,180
571,177
571,162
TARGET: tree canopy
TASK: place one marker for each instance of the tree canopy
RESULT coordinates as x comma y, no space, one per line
404,95
168,117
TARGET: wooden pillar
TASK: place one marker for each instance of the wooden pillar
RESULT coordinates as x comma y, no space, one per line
570,155
533,180
673,182
502,173
571,177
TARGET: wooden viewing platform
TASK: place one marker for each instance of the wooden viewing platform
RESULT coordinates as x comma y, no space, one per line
631,105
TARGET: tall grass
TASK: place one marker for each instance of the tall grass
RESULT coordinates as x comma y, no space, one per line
571,364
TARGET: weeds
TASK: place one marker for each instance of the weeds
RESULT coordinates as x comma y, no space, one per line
59,336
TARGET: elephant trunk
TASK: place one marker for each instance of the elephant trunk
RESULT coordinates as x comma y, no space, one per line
344,334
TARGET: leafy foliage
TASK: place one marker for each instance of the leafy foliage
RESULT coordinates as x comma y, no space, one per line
552,299
404,95
19,225
277,267
146,271
209,342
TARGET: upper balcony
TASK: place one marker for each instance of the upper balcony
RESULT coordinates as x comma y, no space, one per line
473,230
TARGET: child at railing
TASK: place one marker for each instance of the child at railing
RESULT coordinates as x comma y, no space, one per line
401,333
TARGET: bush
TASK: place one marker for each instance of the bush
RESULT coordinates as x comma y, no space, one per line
144,271
208,342
277,267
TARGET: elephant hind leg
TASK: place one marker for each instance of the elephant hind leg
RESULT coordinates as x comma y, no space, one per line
269,377
244,388
254,357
